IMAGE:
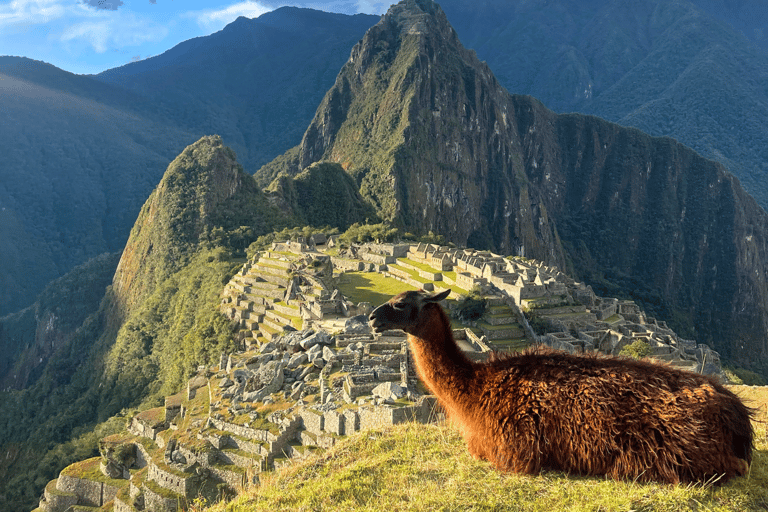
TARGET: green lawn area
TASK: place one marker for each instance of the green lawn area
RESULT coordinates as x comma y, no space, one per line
501,327
371,287
511,345
414,275
422,266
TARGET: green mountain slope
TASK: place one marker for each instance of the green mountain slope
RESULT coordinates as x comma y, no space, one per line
33,335
79,159
157,321
205,199
321,195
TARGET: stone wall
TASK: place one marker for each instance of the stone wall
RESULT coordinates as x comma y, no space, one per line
242,431
121,506
56,500
384,416
346,264
182,485
154,501
89,492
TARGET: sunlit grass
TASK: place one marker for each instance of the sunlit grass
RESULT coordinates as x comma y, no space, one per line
427,467
371,287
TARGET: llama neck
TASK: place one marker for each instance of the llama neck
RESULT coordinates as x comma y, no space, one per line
441,364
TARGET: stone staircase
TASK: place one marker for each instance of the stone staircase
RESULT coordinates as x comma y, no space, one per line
500,325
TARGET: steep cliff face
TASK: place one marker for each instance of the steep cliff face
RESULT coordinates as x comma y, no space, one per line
204,194
435,143
36,334
656,220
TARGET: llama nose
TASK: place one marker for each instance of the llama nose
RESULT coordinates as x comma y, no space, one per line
374,314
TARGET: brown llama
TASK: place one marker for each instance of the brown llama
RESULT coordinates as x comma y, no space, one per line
581,414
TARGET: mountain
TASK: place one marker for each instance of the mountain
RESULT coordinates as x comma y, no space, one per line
693,70
79,159
204,199
30,337
140,337
82,153
437,144
689,70
749,17
256,82
322,195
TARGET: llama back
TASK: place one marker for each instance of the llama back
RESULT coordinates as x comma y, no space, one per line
604,415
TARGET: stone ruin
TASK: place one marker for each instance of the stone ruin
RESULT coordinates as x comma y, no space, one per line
256,411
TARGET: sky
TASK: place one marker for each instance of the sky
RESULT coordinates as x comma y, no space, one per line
89,36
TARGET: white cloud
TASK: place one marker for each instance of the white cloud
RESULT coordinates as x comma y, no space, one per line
24,13
372,7
107,30
215,19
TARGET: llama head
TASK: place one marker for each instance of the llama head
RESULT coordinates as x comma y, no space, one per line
404,311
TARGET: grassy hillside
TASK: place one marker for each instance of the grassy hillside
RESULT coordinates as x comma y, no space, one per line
427,467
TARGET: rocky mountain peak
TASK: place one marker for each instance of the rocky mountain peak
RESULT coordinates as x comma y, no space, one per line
416,16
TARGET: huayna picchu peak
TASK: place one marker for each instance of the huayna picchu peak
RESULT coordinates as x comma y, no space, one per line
203,194
437,144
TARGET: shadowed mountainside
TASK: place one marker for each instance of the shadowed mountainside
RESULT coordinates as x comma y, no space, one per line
693,70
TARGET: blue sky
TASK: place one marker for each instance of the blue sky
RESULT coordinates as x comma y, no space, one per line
89,36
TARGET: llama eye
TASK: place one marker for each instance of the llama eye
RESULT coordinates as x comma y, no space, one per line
399,306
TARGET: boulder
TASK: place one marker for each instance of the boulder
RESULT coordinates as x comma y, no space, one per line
297,360
320,337
388,391
328,355
271,378
357,325
267,348
242,376
296,390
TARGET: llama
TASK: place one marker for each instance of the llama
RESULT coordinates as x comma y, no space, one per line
581,414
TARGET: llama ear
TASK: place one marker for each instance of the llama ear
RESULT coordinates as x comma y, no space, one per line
437,297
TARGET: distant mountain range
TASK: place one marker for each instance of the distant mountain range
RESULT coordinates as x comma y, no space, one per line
83,152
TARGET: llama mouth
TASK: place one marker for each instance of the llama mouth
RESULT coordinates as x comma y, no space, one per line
377,327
